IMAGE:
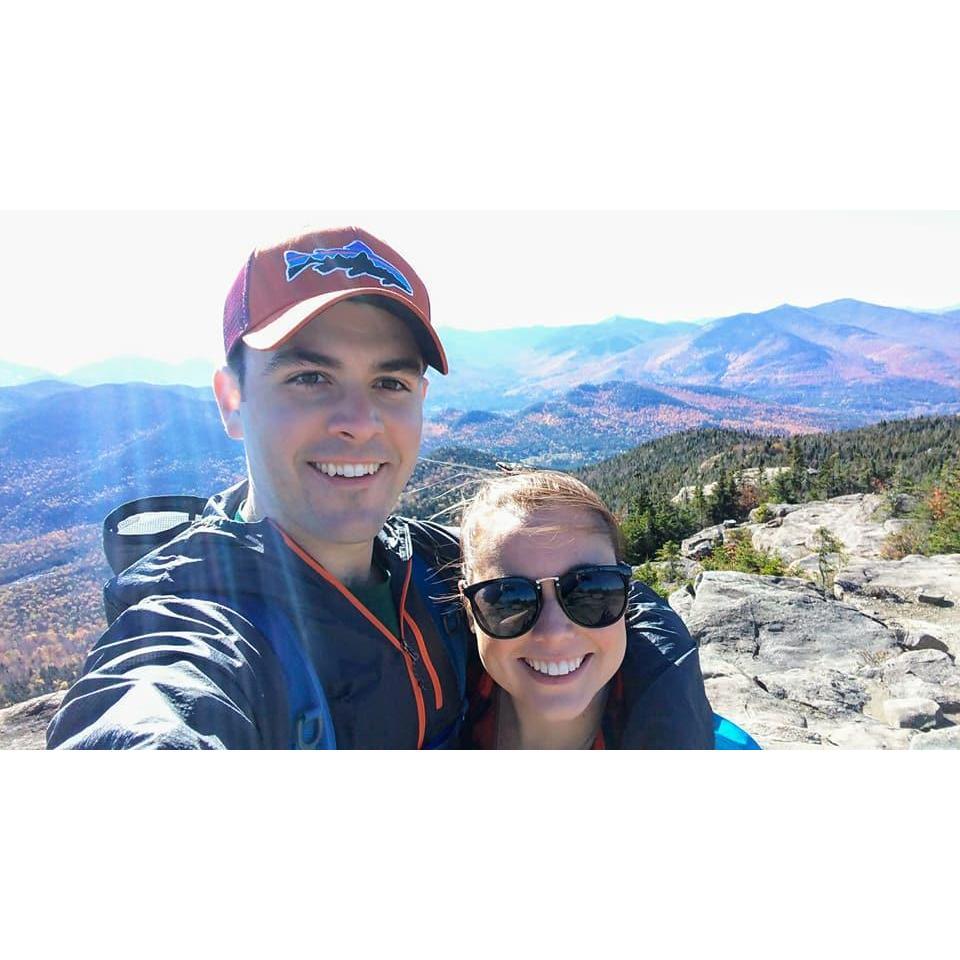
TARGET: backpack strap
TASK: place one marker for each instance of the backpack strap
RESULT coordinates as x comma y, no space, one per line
135,528
311,721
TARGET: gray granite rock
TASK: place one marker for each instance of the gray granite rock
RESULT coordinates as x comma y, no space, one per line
921,640
681,601
939,575
946,738
927,674
782,623
701,544
853,519
916,714
24,726
925,595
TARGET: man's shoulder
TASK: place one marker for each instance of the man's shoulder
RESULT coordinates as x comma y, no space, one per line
213,557
431,540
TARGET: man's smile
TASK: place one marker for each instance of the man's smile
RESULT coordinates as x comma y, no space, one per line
357,475
347,469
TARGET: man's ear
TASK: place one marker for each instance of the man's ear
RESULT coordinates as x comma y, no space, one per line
423,389
226,389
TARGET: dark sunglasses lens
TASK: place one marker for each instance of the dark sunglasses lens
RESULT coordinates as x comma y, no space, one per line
506,608
594,598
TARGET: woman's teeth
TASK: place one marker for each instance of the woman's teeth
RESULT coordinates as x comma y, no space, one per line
554,668
347,469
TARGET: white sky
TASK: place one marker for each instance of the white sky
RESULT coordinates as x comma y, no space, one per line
85,286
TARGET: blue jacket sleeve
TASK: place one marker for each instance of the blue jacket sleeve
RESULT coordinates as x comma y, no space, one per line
179,674
666,706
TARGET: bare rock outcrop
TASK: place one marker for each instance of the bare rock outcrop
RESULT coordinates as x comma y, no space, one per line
857,520
800,669
748,476
24,725
947,738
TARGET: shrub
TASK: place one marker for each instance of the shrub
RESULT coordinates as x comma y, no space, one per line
739,553
764,513
647,573
911,539
831,556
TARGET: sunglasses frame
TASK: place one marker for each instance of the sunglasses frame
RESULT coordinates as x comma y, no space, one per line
623,569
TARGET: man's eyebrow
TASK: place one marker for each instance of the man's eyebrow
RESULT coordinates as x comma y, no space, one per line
408,364
298,356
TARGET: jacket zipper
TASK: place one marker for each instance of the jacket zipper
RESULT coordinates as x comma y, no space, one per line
408,654
428,663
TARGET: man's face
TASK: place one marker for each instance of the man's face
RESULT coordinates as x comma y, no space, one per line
331,422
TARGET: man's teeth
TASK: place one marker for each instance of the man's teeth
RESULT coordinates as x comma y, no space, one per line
554,668
347,469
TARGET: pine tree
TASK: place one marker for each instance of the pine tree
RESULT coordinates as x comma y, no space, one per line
669,554
945,511
831,555
700,507
799,478
721,501
780,489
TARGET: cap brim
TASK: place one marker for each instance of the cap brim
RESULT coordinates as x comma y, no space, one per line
284,325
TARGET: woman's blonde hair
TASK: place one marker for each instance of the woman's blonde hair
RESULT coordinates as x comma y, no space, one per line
523,493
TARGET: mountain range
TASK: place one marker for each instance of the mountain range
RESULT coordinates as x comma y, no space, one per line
70,456
593,421
197,372
865,358
558,396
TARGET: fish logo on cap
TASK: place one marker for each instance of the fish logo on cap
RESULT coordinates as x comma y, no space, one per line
356,259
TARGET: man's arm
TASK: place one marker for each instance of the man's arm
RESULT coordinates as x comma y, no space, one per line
666,706
175,673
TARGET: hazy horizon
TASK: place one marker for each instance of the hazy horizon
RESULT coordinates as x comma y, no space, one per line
152,284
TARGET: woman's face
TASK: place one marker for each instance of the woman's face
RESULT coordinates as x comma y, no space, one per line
546,544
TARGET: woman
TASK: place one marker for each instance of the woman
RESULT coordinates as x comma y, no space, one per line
545,590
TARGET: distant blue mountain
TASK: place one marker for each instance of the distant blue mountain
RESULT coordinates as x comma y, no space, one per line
195,373
72,456
12,374
13,399
846,351
864,356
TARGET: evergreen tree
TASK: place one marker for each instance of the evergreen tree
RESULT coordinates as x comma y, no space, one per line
799,478
945,514
780,488
669,554
721,500
831,555
700,507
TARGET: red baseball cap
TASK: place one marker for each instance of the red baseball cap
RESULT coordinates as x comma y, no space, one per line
284,286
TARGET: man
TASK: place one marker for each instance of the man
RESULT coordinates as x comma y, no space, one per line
296,612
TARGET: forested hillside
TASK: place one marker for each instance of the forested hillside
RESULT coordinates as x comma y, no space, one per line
441,481
51,609
892,454
918,456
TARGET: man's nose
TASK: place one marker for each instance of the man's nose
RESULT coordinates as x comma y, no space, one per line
355,415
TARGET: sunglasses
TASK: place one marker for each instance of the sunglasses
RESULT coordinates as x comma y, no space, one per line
508,607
